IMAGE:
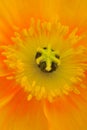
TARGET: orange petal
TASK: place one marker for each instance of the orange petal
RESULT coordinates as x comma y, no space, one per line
7,87
15,14
67,113
21,114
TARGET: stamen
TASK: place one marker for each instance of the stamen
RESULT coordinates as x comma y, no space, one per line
61,66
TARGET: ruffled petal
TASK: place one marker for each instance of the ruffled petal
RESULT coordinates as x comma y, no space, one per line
21,114
16,112
68,112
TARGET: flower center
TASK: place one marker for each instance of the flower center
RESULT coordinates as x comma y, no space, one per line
47,59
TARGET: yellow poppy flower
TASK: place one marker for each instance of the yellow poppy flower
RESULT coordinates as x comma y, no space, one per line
43,65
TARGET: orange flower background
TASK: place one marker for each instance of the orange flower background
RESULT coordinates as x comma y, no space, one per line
66,112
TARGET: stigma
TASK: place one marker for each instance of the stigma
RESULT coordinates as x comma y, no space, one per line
47,59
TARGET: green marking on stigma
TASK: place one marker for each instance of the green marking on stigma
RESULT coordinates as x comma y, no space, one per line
47,59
